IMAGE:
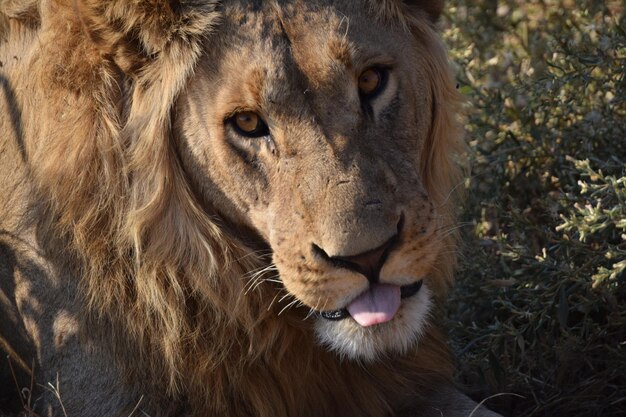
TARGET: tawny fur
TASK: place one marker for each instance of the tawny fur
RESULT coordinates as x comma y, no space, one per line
163,281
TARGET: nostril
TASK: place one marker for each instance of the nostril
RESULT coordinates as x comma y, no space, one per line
400,225
368,263
335,260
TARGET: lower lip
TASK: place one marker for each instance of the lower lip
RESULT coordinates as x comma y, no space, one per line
406,291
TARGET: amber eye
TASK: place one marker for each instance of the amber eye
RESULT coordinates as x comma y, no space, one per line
250,124
372,82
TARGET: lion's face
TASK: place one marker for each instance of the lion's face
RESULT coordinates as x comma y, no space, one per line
304,125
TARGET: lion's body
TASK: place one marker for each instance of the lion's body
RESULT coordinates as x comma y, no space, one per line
128,279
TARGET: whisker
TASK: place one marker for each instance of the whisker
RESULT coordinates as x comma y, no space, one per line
273,300
261,253
291,304
258,281
256,277
284,297
451,193
313,310
264,268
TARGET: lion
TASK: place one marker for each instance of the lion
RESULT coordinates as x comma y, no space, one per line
227,208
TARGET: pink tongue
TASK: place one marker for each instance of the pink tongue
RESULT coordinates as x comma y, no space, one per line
376,305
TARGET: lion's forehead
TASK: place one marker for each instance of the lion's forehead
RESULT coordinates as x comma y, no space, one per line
311,42
294,62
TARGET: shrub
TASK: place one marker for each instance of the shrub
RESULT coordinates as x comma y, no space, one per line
539,309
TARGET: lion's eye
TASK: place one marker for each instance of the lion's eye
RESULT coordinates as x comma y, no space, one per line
250,124
371,82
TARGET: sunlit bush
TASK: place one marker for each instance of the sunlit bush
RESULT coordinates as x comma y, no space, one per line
540,305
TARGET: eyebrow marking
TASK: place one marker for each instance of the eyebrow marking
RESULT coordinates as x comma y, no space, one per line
255,83
339,49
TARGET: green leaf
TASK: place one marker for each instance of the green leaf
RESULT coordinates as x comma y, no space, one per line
466,90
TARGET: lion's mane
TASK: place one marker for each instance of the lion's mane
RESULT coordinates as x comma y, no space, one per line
155,263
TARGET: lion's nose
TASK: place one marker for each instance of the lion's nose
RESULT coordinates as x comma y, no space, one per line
368,263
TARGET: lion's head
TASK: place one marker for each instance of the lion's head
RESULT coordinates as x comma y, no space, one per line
329,143
249,156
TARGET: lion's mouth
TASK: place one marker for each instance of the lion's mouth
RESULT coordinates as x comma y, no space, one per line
376,305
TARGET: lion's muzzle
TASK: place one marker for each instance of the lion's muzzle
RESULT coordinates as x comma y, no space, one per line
380,302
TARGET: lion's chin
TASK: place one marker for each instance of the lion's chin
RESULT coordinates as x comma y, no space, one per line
353,341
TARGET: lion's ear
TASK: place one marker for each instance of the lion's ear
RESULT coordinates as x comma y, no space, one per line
432,8
133,32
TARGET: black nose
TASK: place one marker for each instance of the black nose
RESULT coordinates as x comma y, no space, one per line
367,263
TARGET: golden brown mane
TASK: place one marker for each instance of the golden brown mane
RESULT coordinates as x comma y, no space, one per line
152,257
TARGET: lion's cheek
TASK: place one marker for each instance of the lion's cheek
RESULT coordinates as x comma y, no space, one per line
410,264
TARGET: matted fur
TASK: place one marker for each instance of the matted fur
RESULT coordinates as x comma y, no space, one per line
158,268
